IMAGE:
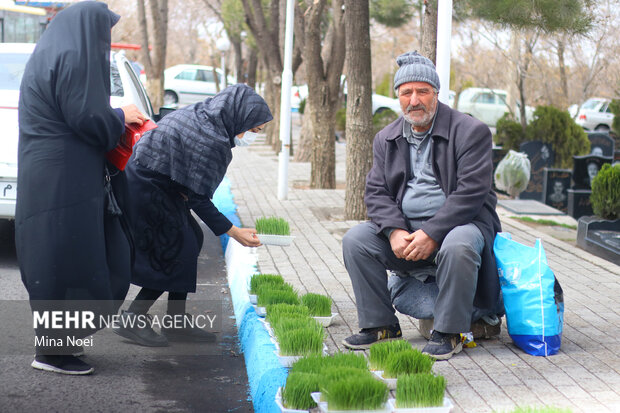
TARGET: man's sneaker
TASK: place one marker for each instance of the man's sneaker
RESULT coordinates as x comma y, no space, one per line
139,331
368,336
442,346
188,332
62,364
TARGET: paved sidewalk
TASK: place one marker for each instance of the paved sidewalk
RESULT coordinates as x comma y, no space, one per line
496,376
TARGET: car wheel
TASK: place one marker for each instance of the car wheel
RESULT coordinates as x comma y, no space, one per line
170,98
602,128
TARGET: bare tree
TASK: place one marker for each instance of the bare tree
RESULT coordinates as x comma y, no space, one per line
155,62
359,107
429,30
264,23
324,59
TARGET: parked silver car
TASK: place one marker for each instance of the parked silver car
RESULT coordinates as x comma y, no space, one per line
187,84
125,87
595,115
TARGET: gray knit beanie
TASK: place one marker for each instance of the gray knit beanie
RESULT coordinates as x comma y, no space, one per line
413,67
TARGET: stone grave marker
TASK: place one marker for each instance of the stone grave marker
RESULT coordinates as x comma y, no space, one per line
585,169
601,144
555,186
579,203
541,156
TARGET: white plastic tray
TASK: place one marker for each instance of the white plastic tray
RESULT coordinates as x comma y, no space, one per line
270,239
280,404
288,361
253,299
326,321
260,311
446,408
323,408
391,383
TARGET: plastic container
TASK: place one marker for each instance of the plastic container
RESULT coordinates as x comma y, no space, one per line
326,321
446,408
270,239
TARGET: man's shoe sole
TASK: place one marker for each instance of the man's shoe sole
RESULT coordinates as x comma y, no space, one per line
456,350
47,367
130,335
366,346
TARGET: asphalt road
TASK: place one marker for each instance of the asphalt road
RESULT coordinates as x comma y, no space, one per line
180,378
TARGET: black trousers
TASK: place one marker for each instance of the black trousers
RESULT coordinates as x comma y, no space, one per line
147,297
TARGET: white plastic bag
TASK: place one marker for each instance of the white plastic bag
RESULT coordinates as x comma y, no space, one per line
513,173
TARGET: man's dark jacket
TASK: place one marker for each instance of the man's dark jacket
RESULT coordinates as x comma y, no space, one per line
462,164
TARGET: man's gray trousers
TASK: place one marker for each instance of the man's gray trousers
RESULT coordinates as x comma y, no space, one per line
367,256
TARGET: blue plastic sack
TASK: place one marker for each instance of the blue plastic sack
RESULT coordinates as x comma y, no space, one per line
532,296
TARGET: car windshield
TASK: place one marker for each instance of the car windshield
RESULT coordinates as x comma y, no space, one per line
12,67
116,84
590,104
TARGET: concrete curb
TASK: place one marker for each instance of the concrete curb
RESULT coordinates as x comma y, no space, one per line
265,374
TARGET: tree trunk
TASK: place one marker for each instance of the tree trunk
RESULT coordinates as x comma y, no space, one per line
323,159
252,68
324,82
304,145
429,30
154,64
563,76
359,107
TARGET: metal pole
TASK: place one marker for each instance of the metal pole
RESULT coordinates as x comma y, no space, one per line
285,103
444,34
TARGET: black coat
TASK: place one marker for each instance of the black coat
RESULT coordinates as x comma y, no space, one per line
67,245
463,167
176,168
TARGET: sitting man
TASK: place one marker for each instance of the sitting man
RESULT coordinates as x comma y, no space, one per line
432,217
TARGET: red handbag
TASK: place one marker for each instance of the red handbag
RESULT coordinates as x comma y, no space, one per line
119,156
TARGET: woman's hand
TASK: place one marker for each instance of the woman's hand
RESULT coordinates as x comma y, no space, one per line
133,114
244,236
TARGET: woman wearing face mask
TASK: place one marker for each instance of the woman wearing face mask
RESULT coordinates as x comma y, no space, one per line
176,168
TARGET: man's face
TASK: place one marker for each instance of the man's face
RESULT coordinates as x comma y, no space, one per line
418,102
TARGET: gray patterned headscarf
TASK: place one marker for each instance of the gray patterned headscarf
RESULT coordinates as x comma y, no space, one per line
192,145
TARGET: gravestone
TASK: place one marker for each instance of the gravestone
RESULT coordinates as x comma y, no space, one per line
585,169
579,203
600,237
555,186
601,144
541,156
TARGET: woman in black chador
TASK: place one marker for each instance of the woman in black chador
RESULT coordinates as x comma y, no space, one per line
69,245
174,169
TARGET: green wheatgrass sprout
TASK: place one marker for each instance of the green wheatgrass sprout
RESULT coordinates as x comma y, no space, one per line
420,390
318,304
259,280
276,311
380,351
407,362
301,341
540,410
296,392
355,393
318,363
267,297
272,225
337,373
293,323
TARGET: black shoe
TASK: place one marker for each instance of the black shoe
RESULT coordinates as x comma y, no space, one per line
188,332
484,328
77,351
368,336
62,364
138,331
442,346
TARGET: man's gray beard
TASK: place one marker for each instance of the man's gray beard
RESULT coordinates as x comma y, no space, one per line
426,120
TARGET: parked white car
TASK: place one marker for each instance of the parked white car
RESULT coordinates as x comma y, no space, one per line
187,84
126,88
595,115
488,105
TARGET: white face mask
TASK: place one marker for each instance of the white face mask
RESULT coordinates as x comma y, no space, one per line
247,139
